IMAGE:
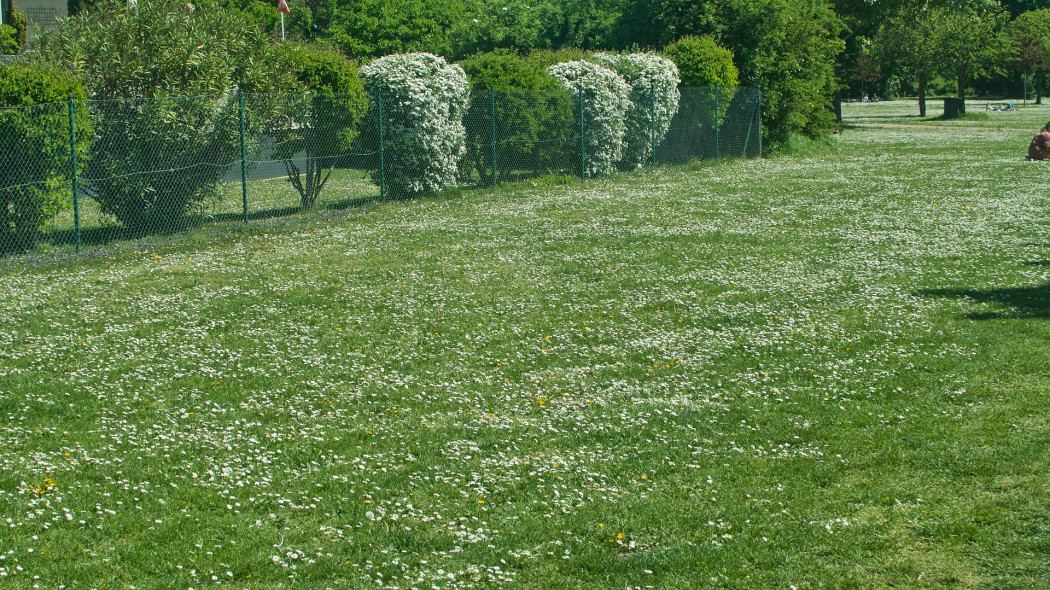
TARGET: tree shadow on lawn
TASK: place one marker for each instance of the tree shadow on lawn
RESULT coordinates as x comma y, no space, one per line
1021,302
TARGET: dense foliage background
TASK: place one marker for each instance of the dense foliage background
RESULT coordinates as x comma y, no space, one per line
802,53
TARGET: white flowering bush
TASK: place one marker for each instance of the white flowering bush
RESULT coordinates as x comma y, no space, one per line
653,82
604,105
424,99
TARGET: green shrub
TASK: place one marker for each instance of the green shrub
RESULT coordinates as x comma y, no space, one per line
157,157
702,62
34,149
654,96
424,99
20,22
532,114
602,99
8,45
321,125
708,72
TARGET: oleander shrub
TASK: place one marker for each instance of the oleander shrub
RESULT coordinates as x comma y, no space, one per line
424,99
313,130
166,112
532,114
653,82
35,159
600,106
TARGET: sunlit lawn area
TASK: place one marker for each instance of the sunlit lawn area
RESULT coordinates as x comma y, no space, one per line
1028,116
824,371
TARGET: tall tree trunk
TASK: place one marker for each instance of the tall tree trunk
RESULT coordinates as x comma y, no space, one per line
922,95
962,94
1038,87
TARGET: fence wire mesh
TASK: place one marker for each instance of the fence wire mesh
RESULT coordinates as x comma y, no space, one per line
88,174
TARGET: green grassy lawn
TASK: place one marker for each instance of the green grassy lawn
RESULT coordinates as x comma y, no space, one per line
1029,117
827,371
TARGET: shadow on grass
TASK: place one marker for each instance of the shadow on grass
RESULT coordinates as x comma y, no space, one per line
351,203
1022,302
252,215
106,235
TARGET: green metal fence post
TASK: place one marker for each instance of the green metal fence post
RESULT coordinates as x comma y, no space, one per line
76,174
244,156
718,115
382,163
583,148
652,118
759,121
492,125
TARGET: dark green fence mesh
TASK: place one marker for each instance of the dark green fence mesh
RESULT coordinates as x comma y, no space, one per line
87,175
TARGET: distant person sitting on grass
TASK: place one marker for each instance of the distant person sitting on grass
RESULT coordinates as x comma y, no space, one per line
1039,148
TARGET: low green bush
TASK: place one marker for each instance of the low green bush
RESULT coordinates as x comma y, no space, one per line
8,44
35,149
707,70
532,115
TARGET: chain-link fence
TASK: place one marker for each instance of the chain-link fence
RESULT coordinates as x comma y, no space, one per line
85,175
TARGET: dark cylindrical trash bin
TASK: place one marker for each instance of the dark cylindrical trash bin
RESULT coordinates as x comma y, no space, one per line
954,108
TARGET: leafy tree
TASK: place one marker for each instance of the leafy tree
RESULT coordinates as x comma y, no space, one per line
1016,7
968,41
908,43
298,25
34,148
866,70
173,105
323,124
862,19
788,47
373,28
515,25
1029,36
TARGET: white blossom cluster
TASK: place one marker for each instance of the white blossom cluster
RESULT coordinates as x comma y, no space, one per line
605,104
424,99
653,83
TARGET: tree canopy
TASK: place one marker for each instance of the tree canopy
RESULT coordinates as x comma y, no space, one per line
800,52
